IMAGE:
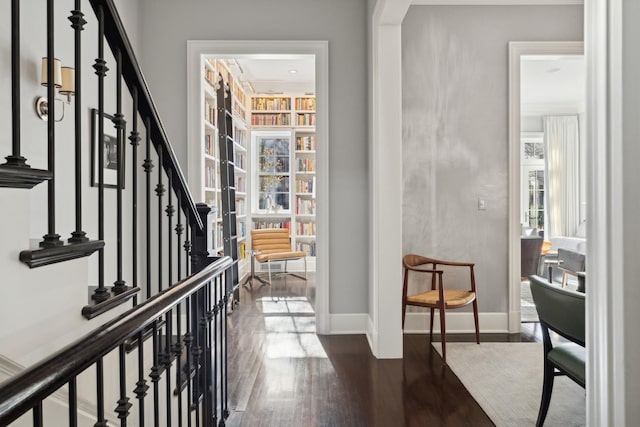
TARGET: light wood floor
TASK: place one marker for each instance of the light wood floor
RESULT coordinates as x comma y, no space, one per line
282,374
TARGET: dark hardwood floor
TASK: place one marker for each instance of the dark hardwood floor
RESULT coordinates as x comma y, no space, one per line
282,374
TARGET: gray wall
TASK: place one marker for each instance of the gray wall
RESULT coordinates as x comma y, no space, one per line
166,27
455,130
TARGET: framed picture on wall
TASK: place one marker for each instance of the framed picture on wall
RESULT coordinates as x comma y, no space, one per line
108,149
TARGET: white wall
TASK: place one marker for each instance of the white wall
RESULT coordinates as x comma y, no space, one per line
41,307
166,27
455,105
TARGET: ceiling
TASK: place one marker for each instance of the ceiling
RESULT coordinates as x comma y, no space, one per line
276,74
549,83
552,84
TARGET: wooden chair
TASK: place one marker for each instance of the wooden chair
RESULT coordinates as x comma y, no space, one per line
563,311
274,245
439,297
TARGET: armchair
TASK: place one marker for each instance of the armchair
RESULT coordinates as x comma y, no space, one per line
563,311
439,297
274,245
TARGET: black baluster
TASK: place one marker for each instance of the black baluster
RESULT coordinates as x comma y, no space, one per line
134,139
119,285
167,365
73,403
51,238
37,415
123,404
223,354
159,192
178,346
187,247
100,388
210,389
15,159
148,166
188,339
77,23
101,293
141,385
155,376
215,353
169,326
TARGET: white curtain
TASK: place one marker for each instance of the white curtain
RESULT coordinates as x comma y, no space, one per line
562,175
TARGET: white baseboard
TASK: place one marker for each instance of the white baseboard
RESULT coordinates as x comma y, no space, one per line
348,324
457,323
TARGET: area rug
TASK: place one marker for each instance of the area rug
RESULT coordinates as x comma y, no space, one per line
528,311
506,381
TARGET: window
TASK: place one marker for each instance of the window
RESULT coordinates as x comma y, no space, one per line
272,154
532,181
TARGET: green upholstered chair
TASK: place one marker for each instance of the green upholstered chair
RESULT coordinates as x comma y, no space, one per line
561,310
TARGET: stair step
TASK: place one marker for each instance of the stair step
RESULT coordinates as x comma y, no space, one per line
54,254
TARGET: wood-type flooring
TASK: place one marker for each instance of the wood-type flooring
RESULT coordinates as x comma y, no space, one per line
282,374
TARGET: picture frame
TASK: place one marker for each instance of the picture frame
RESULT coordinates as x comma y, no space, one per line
109,150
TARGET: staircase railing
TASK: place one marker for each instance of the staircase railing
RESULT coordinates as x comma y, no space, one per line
180,327
195,386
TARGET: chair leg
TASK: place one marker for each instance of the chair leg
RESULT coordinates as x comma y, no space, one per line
431,327
475,319
443,338
547,388
404,312
269,268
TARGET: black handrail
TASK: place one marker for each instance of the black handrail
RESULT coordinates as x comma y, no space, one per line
116,36
25,390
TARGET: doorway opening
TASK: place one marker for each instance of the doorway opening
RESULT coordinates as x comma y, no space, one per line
543,88
282,88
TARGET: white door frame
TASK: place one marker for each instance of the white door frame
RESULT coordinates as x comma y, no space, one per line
516,50
239,48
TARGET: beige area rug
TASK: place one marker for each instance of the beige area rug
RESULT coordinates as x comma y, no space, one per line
506,380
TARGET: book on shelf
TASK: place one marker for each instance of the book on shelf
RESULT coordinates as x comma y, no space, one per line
305,206
305,186
271,119
306,165
307,104
308,247
270,103
264,224
306,228
305,119
306,143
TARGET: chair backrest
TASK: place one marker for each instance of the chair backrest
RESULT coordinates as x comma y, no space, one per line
560,309
571,260
272,240
530,249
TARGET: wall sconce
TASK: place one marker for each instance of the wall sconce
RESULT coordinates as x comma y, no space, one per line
63,81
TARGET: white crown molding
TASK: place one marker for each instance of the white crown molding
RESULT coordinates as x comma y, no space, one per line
496,2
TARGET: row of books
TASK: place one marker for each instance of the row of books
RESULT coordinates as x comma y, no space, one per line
306,165
241,207
260,225
242,229
240,160
240,184
270,104
209,176
306,229
306,143
308,247
210,113
210,76
239,108
308,104
240,136
304,185
211,145
305,119
305,206
280,119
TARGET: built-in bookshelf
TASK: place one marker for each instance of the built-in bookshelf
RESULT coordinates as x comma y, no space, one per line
277,111
214,73
290,118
